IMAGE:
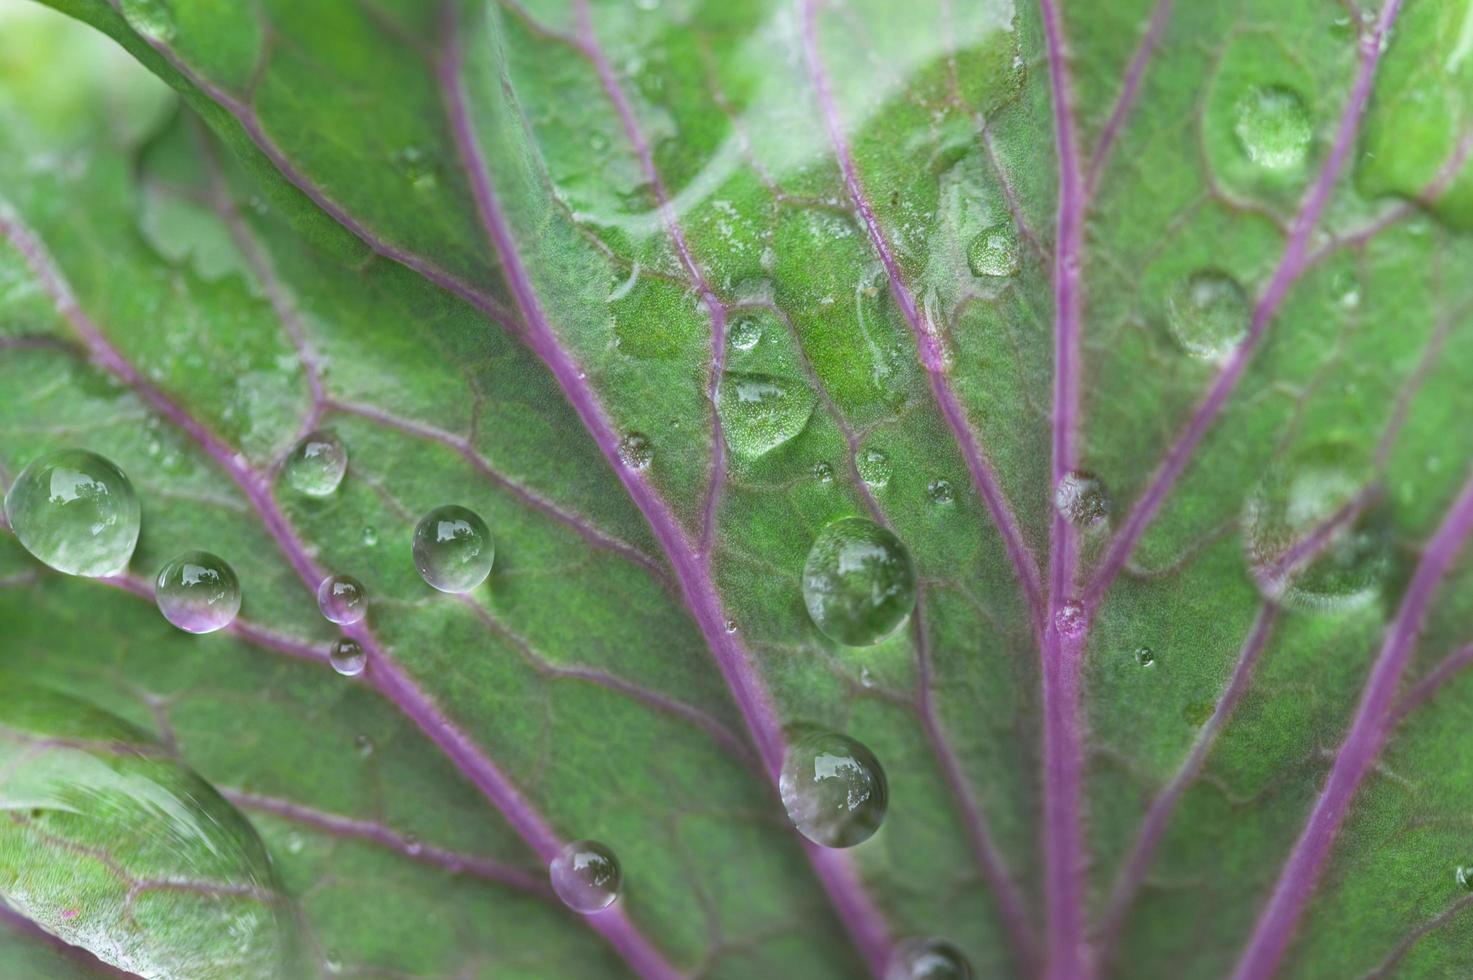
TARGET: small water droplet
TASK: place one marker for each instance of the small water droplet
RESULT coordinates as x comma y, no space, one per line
866,679
731,626
833,789
418,167
928,959
347,656
858,582
342,599
1208,314
154,19
333,960
76,512
1070,620
1273,127
1345,289
294,843
940,492
586,876
823,472
994,252
1081,498
759,412
197,592
1145,656
874,467
364,745
1463,875
636,451
746,333
1196,713
370,536
316,465
453,549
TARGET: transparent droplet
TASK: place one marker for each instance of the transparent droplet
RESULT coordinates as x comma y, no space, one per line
364,745
1273,127
1311,540
316,465
342,599
746,333
1145,656
940,492
586,876
1463,875
1081,498
76,512
1208,314
153,19
198,592
759,412
874,467
1070,620
1345,289
347,656
927,959
858,582
994,252
823,472
370,536
636,451
730,626
833,789
453,549
418,167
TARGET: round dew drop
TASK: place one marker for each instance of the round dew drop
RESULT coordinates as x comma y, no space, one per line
940,492
76,512
1145,656
994,253
636,451
198,592
858,582
586,876
1070,620
1081,499
342,600
347,657
874,468
1208,314
833,789
927,959
316,465
746,333
453,549
1273,128
1463,875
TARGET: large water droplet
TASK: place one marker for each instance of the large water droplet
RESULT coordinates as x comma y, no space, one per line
858,582
453,549
636,451
1208,314
833,789
316,464
1312,541
342,599
586,876
197,592
874,467
347,656
928,959
1081,499
759,412
994,252
153,19
1272,126
76,512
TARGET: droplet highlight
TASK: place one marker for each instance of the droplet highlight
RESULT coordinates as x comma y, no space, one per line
1208,315
586,876
197,592
993,254
1081,499
928,959
833,789
759,412
453,549
75,511
1273,127
316,465
858,582
347,657
342,599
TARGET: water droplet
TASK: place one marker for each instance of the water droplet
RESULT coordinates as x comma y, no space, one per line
823,472
412,845
833,789
333,960
316,465
1345,289
1311,538
746,333
418,167
1070,620
635,451
731,626
364,745
928,959
866,678
153,19
940,492
347,656
1196,713
295,843
1145,656
874,467
586,876
1272,126
370,536
994,252
1208,314
342,599
76,512
759,412
1463,875
1081,499
453,549
858,582
197,592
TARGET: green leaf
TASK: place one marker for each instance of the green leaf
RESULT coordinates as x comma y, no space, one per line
661,290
